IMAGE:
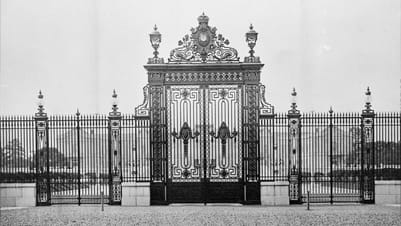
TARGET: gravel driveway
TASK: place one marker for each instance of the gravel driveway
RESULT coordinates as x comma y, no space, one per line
204,215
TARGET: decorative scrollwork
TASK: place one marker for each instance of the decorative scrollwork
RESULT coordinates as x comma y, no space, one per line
185,133
294,129
266,109
157,127
198,77
368,152
116,189
252,137
223,133
223,93
203,45
143,109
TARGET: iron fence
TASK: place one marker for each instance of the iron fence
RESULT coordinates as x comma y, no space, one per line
335,166
78,161
274,148
327,146
17,146
135,149
334,163
387,155
75,158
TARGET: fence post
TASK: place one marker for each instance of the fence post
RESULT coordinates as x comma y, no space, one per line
79,156
308,204
367,153
294,142
331,154
115,152
42,155
102,199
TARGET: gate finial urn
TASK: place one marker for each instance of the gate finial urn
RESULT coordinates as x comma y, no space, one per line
155,40
251,38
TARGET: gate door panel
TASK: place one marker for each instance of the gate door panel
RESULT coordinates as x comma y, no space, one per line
204,152
186,151
223,153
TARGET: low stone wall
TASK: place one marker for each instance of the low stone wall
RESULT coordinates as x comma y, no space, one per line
274,193
387,192
135,194
17,194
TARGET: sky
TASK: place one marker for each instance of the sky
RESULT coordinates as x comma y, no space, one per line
78,51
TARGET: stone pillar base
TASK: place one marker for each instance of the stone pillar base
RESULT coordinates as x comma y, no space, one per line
17,194
387,191
135,194
274,193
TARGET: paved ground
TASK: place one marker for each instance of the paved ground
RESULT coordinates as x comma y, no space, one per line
204,215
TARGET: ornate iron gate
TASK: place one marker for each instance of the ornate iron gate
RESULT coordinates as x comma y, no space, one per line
204,113
205,143
204,149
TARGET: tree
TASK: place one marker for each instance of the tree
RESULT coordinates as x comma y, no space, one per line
13,155
56,158
387,153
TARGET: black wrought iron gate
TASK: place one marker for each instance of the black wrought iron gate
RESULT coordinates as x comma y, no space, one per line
204,149
204,114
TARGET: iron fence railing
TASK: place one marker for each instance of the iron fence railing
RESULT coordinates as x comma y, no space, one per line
342,136
333,162
135,148
17,147
340,158
74,159
387,133
18,152
274,148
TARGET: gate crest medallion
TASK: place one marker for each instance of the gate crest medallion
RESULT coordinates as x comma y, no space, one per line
203,45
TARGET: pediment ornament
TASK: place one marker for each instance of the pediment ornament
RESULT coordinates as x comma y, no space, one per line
203,45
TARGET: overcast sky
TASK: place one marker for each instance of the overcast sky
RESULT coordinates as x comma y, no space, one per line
77,51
